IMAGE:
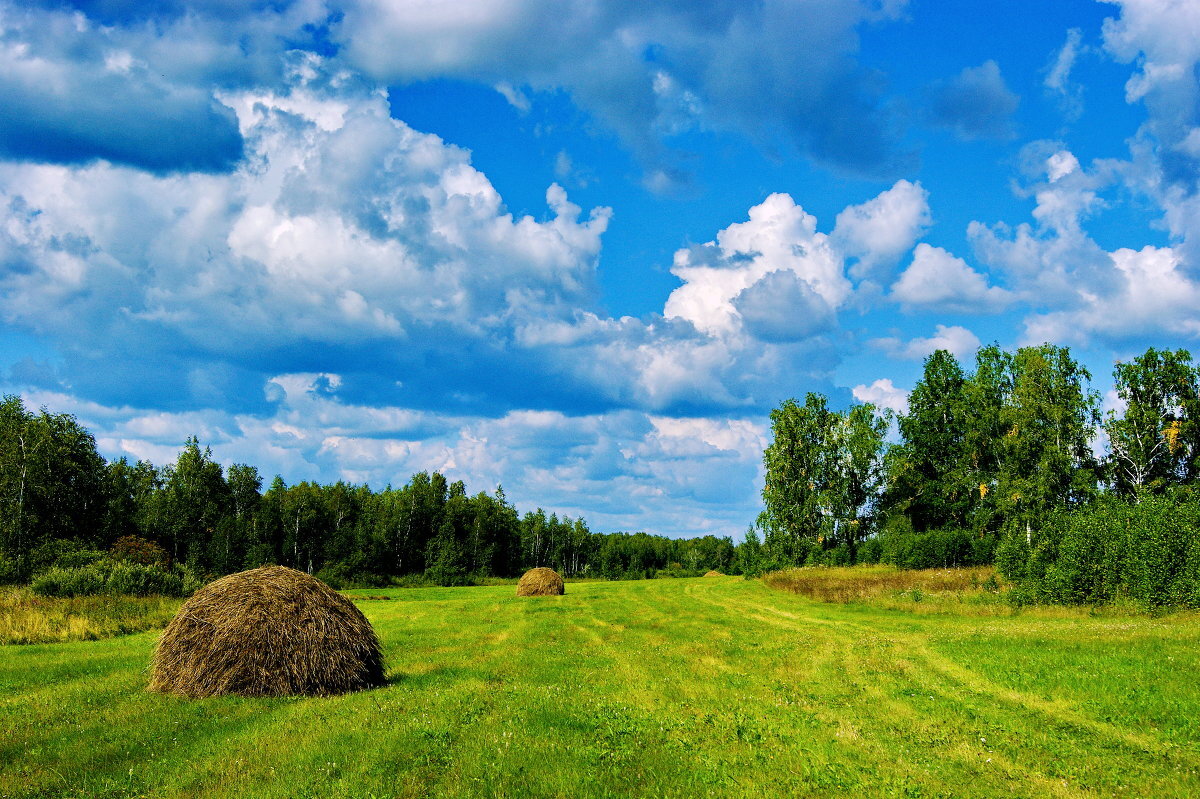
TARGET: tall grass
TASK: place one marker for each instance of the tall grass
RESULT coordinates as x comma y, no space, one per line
888,586
26,618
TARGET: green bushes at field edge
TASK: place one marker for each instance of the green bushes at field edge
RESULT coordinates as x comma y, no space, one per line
1145,550
116,577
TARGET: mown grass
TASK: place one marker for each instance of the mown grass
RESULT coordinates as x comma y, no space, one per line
663,688
29,619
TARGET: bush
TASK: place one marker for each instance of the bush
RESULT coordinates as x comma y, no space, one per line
70,582
933,549
136,579
136,549
871,550
1146,550
108,577
63,554
9,572
340,576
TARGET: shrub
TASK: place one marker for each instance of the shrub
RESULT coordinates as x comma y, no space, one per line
108,577
136,579
63,554
871,550
344,575
1147,550
136,549
933,549
70,582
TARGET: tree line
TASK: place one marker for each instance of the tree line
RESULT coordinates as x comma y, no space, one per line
990,464
60,498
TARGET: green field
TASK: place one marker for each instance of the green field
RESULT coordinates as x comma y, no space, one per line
692,687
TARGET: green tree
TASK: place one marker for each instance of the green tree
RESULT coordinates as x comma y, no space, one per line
751,559
858,480
800,463
52,482
192,502
1153,442
933,479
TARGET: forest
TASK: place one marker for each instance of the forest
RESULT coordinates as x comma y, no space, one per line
69,515
1009,462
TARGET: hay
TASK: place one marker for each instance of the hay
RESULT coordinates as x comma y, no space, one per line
271,631
713,573
541,582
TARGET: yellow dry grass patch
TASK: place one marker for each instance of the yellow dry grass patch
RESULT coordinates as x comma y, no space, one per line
29,619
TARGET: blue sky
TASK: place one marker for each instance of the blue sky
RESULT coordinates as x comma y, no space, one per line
578,247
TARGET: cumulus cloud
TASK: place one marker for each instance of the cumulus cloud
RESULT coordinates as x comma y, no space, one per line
937,280
779,235
342,227
956,340
883,394
1162,38
1052,264
879,232
782,307
1154,294
975,104
347,237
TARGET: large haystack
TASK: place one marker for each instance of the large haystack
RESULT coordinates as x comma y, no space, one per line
714,573
271,631
541,582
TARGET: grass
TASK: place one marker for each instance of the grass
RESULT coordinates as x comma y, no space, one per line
29,619
656,688
883,585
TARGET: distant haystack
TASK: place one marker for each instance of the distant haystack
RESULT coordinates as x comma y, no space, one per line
271,631
713,573
541,582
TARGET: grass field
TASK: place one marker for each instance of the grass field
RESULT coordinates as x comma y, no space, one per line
697,687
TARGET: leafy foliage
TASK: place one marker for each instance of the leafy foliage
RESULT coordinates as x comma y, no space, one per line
1146,551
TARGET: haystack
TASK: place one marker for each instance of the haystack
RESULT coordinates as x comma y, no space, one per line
713,573
271,631
541,582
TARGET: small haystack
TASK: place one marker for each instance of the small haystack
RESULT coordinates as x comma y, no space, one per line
541,582
713,573
271,631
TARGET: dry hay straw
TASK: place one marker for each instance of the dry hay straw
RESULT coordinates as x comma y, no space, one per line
270,631
541,582
713,573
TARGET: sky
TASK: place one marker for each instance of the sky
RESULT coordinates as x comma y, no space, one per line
577,247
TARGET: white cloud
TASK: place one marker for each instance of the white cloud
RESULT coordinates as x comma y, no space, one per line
1047,262
937,280
778,236
1154,295
882,394
342,226
1058,81
515,97
956,340
1162,39
880,231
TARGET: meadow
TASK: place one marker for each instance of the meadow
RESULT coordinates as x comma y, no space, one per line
657,688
